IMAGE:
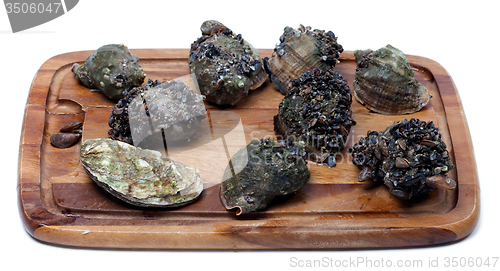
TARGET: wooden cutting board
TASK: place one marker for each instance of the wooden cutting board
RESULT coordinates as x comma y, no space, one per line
60,204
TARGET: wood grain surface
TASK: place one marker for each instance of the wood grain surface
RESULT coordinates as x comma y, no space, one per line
60,204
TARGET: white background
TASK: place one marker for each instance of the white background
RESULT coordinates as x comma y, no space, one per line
460,35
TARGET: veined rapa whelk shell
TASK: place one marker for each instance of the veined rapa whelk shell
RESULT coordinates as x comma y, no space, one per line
139,176
301,50
385,82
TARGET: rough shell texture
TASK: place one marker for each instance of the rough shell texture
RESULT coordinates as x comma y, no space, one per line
271,169
138,176
385,82
112,69
166,110
317,110
225,65
301,50
409,157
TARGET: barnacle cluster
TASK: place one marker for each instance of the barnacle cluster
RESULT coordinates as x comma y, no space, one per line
317,110
168,110
301,50
271,169
225,65
409,157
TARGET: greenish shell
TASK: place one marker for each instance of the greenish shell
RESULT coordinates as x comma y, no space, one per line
112,69
270,169
138,176
385,82
226,66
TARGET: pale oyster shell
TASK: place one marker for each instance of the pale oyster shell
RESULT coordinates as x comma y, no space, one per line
139,176
385,82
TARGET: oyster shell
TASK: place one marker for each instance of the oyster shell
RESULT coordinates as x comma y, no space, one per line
272,169
166,110
385,82
138,176
225,65
301,50
317,110
112,69
409,157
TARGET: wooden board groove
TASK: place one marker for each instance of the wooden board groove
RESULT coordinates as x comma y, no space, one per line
60,204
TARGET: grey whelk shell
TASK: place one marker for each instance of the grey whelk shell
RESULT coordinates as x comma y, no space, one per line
385,82
301,50
139,176
112,69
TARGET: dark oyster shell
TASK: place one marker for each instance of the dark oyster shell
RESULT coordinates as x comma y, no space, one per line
261,171
317,110
385,82
301,50
167,110
409,157
112,69
225,65
138,176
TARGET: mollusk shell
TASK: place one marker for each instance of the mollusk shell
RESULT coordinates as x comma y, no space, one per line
301,50
225,65
138,176
385,83
112,69
266,169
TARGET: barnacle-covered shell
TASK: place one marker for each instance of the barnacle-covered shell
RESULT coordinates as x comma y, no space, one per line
225,65
385,82
168,110
138,176
271,169
301,50
409,157
317,110
112,69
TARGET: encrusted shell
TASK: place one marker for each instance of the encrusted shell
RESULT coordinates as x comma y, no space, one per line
112,69
317,110
225,65
261,171
138,176
301,50
409,157
385,82
167,110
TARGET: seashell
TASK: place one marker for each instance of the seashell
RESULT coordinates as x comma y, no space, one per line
138,176
68,135
112,69
72,127
408,170
64,140
166,110
385,82
317,110
225,65
301,50
261,171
